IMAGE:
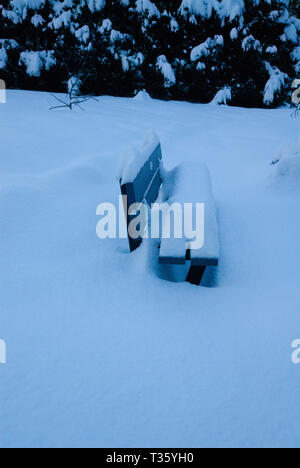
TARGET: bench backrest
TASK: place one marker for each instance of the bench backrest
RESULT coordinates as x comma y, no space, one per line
141,180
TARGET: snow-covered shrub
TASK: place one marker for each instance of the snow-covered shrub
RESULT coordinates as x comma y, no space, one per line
74,84
73,98
223,96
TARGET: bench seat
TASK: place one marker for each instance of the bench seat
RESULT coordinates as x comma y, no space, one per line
191,183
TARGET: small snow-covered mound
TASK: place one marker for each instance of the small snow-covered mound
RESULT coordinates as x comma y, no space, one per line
142,96
286,168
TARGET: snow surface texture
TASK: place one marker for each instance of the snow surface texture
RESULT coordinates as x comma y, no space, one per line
101,351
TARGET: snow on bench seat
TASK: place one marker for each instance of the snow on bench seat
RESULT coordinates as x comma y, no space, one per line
192,184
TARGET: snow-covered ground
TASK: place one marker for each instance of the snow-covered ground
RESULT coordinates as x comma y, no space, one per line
100,350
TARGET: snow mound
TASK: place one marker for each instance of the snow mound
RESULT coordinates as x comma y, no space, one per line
286,168
142,96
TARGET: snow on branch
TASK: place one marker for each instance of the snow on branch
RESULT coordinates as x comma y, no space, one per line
146,6
291,33
167,71
37,20
202,8
250,43
21,6
131,62
96,5
204,49
62,20
205,8
11,16
83,34
36,61
3,58
274,84
9,44
295,55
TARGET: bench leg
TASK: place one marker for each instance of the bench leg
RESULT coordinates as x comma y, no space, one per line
195,275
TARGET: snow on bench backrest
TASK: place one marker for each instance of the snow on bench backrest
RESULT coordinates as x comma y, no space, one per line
192,184
142,165
140,177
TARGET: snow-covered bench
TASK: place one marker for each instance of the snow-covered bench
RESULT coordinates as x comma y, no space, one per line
144,180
